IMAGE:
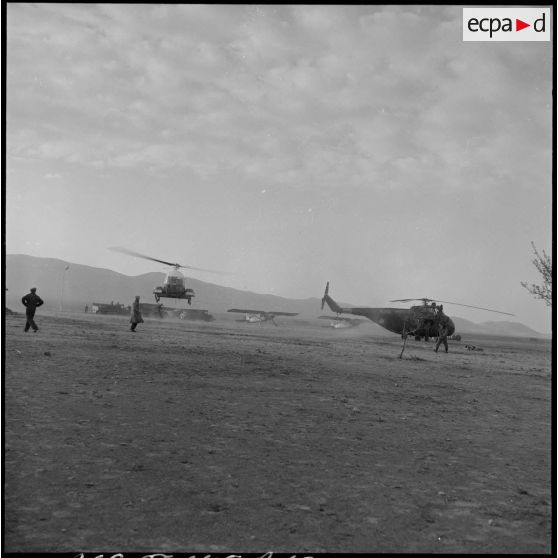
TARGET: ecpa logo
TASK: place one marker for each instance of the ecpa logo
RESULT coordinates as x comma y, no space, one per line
506,24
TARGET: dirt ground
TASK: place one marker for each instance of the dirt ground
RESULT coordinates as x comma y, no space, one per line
231,437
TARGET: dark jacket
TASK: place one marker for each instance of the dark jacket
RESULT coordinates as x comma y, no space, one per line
32,301
136,313
443,325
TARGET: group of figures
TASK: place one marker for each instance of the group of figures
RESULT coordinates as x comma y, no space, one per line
32,301
426,319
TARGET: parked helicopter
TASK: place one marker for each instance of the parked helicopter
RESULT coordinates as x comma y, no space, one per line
174,285
419,321
258,316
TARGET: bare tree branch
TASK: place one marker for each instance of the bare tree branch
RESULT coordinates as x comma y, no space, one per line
543,264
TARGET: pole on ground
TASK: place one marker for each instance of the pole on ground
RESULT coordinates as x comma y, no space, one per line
404,335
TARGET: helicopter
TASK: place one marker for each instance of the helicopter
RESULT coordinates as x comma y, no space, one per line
174,285
258,316
419,320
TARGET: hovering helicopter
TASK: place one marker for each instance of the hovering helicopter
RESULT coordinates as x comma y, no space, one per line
420,320
339,322
258,316
174,285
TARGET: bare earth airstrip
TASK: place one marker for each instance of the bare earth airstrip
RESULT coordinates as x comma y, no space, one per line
232,437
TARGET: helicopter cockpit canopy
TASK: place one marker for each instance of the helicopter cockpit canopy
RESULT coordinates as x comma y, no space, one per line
174,278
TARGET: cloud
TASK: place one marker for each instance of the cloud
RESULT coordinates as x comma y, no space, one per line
298,95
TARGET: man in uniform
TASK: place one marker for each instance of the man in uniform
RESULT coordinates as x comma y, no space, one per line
31,301
136,318
443,322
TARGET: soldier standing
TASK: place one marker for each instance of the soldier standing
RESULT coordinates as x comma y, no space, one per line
443,327
136,318
31,301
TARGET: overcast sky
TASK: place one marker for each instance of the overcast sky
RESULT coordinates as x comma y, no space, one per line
365,145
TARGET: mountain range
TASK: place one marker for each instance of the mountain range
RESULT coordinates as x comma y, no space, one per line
68,286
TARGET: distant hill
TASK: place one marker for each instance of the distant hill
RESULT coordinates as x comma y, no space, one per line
510,329
82,284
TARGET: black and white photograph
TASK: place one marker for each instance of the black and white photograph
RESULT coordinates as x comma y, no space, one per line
278,279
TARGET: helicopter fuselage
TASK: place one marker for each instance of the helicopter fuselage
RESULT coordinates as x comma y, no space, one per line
420,321
174,286
403,320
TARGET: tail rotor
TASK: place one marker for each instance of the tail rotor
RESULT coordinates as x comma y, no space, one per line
325,295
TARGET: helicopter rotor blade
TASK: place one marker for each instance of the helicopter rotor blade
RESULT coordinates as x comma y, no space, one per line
138,255
477,307
411,299
449,302
202,269
176,265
